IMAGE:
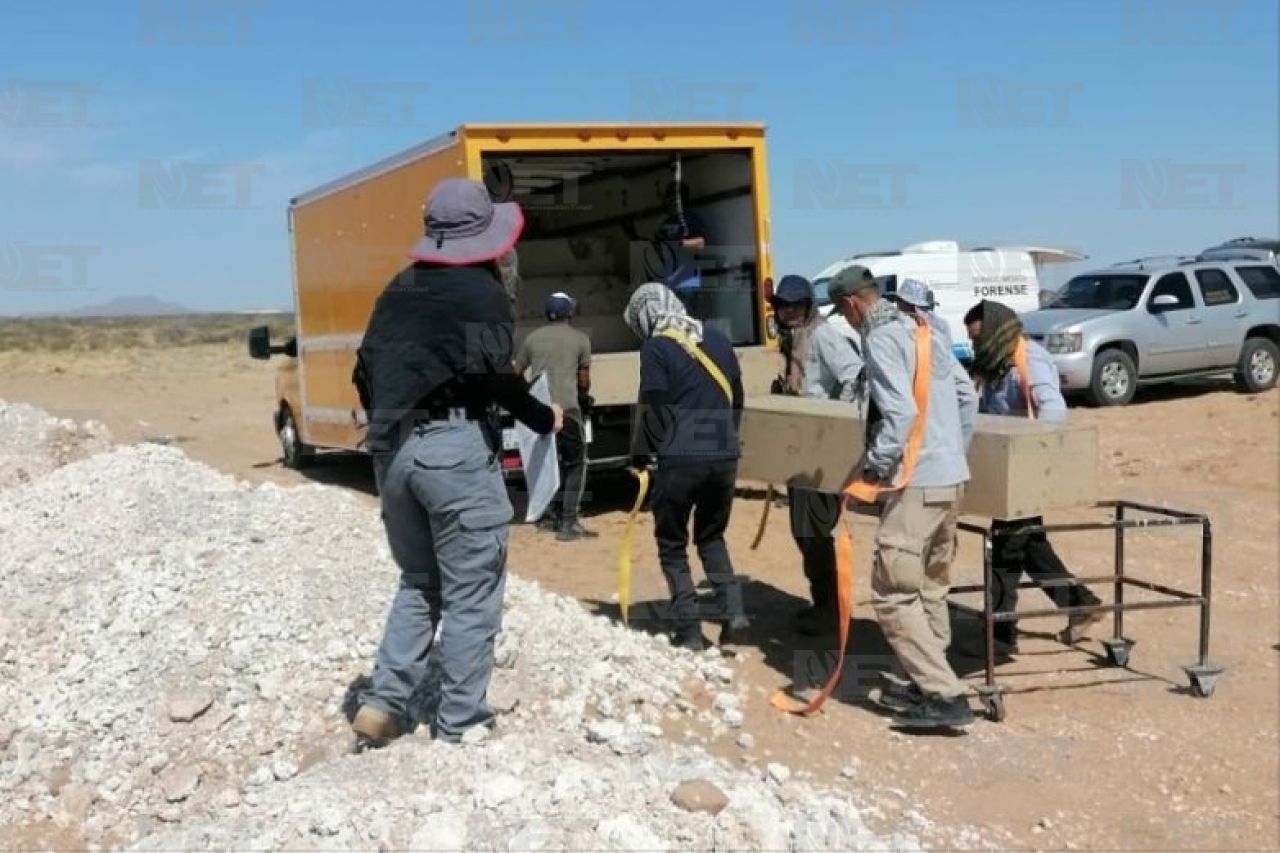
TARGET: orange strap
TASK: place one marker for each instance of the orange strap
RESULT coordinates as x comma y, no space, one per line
865,492
1024,375
844,600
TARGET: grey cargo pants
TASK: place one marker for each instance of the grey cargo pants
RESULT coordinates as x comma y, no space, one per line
446,510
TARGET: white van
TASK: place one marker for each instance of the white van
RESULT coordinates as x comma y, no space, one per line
958,277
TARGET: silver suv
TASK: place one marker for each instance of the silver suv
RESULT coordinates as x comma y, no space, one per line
1154,321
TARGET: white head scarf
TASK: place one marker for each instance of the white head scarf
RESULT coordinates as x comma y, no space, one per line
654,308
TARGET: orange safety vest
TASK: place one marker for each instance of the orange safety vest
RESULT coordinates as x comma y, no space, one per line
864,492
1024,375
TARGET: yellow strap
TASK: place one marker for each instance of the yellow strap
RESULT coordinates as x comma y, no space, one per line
705,360
624,558
764,517
844,608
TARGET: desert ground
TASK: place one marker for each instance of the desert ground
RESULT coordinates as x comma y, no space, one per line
1091,756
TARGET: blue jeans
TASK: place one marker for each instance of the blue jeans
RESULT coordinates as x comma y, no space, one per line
446,510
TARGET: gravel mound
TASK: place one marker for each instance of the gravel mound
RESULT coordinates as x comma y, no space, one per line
32,443
178,651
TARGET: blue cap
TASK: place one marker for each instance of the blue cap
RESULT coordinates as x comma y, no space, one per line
560,306
793,289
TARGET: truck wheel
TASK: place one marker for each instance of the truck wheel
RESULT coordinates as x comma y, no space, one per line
296,454
1256,371
1115,378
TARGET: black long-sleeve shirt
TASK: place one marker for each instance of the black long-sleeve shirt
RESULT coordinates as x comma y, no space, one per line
441,337
684,417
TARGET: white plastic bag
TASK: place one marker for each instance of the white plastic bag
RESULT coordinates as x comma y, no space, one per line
539,460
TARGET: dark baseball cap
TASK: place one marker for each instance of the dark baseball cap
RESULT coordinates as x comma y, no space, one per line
793,289
849,281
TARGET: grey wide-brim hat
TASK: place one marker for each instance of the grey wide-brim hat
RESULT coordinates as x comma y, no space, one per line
913,292
464,226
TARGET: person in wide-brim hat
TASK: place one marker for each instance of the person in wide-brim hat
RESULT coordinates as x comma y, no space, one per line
464,226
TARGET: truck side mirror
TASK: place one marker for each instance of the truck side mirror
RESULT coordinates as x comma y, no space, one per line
260,343
1164,302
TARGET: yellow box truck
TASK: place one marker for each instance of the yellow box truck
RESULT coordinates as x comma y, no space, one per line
593,195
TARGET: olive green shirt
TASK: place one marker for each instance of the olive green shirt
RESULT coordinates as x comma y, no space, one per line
560,351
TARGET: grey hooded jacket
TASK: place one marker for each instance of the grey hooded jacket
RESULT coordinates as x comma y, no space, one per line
891,365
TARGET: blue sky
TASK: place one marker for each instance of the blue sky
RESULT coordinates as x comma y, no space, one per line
1117,127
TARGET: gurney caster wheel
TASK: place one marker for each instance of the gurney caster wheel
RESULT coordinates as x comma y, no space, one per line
992,699
1118,649
1204,679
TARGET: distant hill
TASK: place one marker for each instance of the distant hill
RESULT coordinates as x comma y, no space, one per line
130,306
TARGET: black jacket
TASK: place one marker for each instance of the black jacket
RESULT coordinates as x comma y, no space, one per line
440,337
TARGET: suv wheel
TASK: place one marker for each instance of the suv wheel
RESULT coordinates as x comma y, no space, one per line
1256,371
296,454
1115,378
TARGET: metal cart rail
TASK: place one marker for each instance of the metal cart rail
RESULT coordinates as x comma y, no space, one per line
1203,674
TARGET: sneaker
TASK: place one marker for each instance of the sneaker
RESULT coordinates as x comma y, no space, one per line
936,712
689,637
573,531
733,631
1079,623
548,524
898,696
374,728
816,620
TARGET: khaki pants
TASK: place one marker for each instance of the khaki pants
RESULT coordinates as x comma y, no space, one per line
915,545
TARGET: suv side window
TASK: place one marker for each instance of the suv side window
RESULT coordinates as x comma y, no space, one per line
1173,284
1263,282
1216,288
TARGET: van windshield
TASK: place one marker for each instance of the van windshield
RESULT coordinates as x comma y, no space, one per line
820,296
1105,292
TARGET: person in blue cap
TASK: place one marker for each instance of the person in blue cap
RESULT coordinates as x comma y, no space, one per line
563,353
819,361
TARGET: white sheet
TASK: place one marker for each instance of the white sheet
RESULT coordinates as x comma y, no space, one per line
539,460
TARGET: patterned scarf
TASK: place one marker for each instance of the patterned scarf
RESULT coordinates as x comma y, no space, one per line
795,342
654,308
880,314
993,350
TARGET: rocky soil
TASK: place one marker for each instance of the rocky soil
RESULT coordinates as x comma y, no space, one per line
178,650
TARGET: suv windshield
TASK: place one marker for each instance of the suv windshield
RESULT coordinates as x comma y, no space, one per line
1106,292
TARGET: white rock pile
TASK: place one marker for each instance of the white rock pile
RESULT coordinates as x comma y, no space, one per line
177,651
32,443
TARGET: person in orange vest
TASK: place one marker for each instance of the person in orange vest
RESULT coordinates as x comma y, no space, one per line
996,333
919,471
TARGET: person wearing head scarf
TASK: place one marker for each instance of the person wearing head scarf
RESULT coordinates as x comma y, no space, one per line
996,333
688,415
434,365
818,361
563,353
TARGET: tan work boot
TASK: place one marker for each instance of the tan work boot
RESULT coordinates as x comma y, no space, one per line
374,728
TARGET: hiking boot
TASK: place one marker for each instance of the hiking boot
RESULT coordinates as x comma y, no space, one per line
733,631
573,531
936,712
898,696
374,728
1079,623
689,637
548,524
816,620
